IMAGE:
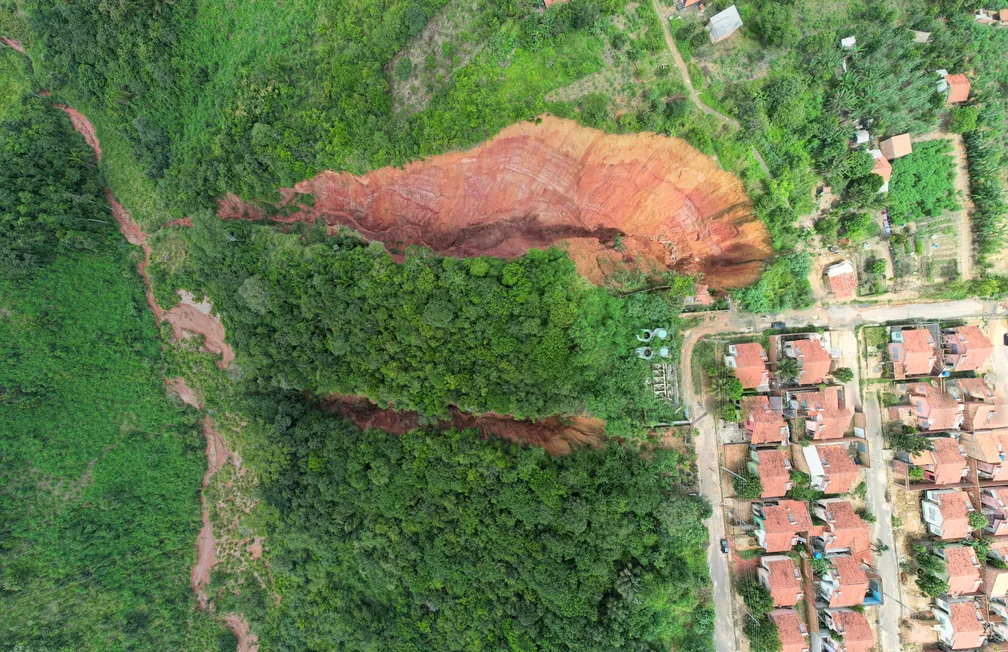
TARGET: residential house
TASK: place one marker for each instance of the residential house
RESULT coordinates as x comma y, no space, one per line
724,24
982,408
995,582
701,296
965,348
998,550
944,464
946,512
824,412
831,469
883,168
958,88
813,360
844,532
896,147
844,583
988,449
960,624
781,523
848,42
780,575
773,466
763,424
934,409
842,280
846,631
962,569
914,351
794,636
749,362
992,505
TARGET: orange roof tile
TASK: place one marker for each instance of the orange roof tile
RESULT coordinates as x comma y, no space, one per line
967,625
831,417
946,460
813,361
963,569
839,467
774,472
793,636
846,529
856,630
942,408
764,425
920,351
971,341
896,146
750,364
782,521
958,88
955,514
883,168
784,580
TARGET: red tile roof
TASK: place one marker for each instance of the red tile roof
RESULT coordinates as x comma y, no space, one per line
764,425
938,407
958,88
852,581
813,361
963,569
896,146
750,364
841,471
946,462
831,417
781,522
774,472
955,515
972,341
967,625
845,529
857,632
792,637
702,294
883,168
784,580
842,280
919,351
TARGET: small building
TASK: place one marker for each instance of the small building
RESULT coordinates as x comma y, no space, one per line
883,168
960,625
724,24
915,350
946,513
831,469
842,280
945,463
988,449
794,636
982,408
846,631
844,533
701,296
995,582
965,348
824,411
921,37
848,43
861,136
773,466
749,360
958,88
763,424
896,147
998,550
934,409
844,583
813,360
780,575
962,569
992,505
781,523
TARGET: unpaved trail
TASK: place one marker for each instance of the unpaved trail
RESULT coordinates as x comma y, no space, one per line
964,235
176,386
247,641
217,455
557,436
15,45
614,200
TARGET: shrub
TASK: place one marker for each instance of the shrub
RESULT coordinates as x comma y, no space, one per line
844,374
747,485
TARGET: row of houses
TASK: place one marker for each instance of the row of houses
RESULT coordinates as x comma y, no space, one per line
931,351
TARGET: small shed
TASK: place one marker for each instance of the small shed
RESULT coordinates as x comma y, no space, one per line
921,37
958,88
896,147
842,280
861,136
724,24
848,43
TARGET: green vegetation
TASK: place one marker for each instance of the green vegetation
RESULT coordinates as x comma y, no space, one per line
923,183
907,439
449,541
747,485
100,472
977,520
801,488
761,631
843,374
783,286
929,568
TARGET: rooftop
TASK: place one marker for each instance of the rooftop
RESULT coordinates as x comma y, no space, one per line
787,516
958,88
843,280
774,472
854,626
763,423
896,146
965,617
961,561
918,340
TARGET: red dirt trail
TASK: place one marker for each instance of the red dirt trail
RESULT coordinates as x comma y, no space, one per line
176,386
556,436
217,455
552,182
11,43
247,641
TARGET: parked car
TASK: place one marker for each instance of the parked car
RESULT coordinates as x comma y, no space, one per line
886,227
724,546
778,325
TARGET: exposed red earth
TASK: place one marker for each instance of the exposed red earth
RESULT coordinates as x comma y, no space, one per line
11,43
247,641
556,436
217,455
612,198
176,386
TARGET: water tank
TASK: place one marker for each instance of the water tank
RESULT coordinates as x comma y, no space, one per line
644,335
661,333
645,353
663,352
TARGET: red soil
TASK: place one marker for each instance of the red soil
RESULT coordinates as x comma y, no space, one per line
247,641
83,126
217,455
189,317
182,221
556,436
176,386
535,185
11,43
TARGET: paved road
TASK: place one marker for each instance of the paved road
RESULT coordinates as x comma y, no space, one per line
843,318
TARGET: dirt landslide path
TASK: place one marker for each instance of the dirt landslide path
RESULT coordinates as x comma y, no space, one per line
614,200
556,436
